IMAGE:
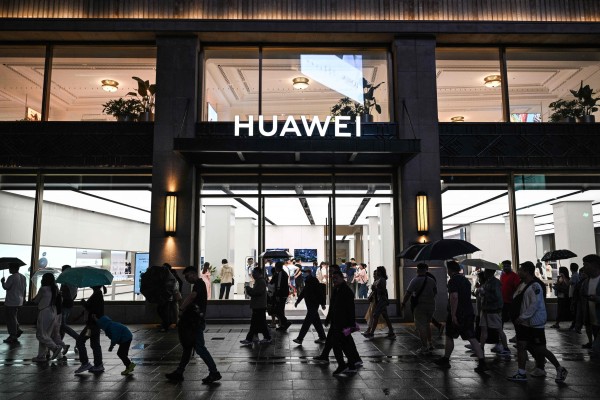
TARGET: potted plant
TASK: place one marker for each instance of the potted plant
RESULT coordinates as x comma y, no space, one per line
147,93
123,110
348,107
586,102
216,287
564,111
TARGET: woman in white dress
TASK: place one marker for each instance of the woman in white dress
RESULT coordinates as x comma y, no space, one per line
46,320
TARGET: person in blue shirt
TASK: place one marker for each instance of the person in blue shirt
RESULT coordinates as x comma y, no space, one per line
121,335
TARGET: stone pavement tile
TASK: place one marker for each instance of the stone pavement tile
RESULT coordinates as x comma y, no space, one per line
390,393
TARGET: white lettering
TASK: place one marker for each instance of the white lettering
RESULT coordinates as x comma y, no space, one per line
261,126
292,129
339,125
249,125
357,125
316,123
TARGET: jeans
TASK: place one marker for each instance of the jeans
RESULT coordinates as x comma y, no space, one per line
201,350
94,344
362,290
258,324
123,353
312,318
64,327
12,323
225,288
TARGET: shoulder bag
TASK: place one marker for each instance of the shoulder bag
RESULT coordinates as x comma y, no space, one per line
414,300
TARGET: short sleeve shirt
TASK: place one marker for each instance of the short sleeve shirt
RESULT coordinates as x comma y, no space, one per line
461,285
428,293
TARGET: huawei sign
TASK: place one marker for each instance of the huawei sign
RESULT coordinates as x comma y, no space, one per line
308,128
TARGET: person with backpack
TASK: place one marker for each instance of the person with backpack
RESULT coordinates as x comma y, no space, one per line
491,311
167,301
528,311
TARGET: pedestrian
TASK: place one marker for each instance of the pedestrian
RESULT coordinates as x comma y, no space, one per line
421,294
46,300
361,278
529,314
313,297
509,281
281,292
298,279
15,287
248,280
205,275
572,294
191,329
351,268
226,277
490,317
460,318
93,306
591,289
323,276
379,289
561,289
540,270
68,294
167,301
258,304
120,335
342,318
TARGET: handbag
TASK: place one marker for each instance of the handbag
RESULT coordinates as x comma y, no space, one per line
414,300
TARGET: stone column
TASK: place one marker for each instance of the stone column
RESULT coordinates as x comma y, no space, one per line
245,246
386,248
374,244
177,85
526,235
220,237
574,229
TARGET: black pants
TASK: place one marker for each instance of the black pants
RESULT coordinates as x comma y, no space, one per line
167,313
94,337
224,290
349,349
343,345
123,353
258,324
279,310
312,318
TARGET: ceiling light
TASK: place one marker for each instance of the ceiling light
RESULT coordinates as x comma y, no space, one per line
300,83
110,85
492,81
458,118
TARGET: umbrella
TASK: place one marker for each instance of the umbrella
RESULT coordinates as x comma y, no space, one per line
85,277
7,262
445,249
558,255
478,262
411,251
276,254
40,272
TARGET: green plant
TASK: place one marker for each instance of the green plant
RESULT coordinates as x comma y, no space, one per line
348,107
563,109
121,108
147,93
217,280
585,100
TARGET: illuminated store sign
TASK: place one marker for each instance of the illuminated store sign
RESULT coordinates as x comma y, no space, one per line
290,126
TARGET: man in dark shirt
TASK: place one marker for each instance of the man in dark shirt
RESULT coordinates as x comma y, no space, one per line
193,310
313,297
461,318
281,293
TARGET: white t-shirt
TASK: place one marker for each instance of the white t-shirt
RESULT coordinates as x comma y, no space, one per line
593,285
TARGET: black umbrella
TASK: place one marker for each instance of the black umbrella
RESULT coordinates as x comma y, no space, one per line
7,262
445,249
558,255
276,254
411,251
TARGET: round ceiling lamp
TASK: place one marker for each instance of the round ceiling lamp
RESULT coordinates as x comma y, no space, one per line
300,83
492,81
458,118
110,85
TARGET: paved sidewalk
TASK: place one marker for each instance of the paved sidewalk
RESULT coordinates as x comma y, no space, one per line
284,370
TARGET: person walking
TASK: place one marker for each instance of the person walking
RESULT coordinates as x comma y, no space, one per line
258,304
94,306
121,335
46,301
205,275
191,329
15,287
248,280
323,276
591,289
509,281
461,318
379,289
226,279
281,292
313,297
492,304
529,315
361,278
561,289
421,294
573,297
167,302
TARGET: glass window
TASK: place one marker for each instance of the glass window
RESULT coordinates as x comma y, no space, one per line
21,83
539,77
468,85
85,78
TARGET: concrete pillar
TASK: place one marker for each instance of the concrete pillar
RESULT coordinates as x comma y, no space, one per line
574,229
220,237
374,243
177,83
526,235
386,248
358,245
492,239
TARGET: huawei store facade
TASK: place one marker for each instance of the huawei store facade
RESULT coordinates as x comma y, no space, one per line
331,134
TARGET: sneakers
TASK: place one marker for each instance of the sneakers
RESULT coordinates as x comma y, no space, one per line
423,351
212,378
246,342
497,348
39,359
10,339
19,333
96,369
297,341
266,341
538,373
505,353
359,363
555,326
391,335
443,362
469,346
65,349
517,377
369,336
129,369
343,368
482,367
83,368
321,340
57,350
284,327
174,376
322,359
561,374
513,339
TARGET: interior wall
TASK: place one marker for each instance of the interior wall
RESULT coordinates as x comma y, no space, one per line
296,237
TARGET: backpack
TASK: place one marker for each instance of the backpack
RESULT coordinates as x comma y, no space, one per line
515,306
491,302
155,284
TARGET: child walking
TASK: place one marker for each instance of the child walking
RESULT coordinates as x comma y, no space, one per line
121,335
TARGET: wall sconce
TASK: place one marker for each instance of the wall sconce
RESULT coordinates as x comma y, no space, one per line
422,214
300,83
492,81
171,214
110,85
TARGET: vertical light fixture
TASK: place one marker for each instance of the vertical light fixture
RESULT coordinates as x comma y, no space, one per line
170,214
422,215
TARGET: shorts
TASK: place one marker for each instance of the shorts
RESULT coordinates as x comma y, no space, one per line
533,336
491,320
423,314
465,328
